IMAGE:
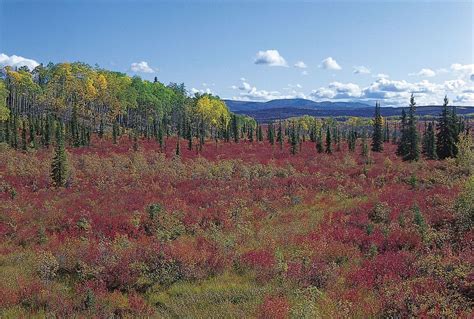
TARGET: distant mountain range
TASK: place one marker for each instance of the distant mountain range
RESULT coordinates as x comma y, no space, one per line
285,108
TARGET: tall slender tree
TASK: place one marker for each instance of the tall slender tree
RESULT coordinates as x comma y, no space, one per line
377,138
448,132
59,168
429,142
328,141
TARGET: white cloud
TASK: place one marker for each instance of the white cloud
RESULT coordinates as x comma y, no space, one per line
462,68
142,67
17,61
330,64
361,70
381,76
465,98
251,93
452,85
271,58
306,73
300,65
207,91
337,90
472,77
424,73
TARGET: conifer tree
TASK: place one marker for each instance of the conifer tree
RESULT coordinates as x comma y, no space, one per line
178,150
101,128
319,142
260,134
235,128
402,143
429,142
377,138
115,132
14,133
271,134
448,132
280,135
190,137
59,169
413,149
386,133
328,141
294,140
32,137
24,144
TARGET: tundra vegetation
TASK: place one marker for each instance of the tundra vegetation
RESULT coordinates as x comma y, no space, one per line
121,197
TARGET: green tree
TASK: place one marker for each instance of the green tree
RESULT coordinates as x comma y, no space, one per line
280,135
59,167
447,136
377,138
429,142
410,150
294,140
328,149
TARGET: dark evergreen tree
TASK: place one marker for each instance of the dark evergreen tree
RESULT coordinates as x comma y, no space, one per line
24,143
235,128
101,128
294,140
386,133
413,149
271,134
429,142
377,138
115,132
402,141
32,136
448,132
260,133
319,142
280,135
328,149
59,169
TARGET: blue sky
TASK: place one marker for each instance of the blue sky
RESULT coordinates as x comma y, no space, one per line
259,50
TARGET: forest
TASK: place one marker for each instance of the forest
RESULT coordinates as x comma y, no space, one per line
127,198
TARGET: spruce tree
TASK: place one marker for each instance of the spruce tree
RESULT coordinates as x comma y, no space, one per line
260,133
101,128
377,138
448,132
294,140
271,134
280,135
402,143
115,132
235,128
24,144
429,142
32,137
319,142
386,133
413,149
59,169
328,141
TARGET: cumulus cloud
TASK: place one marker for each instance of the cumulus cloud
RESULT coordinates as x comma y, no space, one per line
306,73
249,92
464,68
142,67
381,76
201,91
361,70
330,64
424,73
300,65
17,61
270,57
337,90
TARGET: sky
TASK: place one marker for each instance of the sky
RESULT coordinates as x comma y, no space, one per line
259,50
